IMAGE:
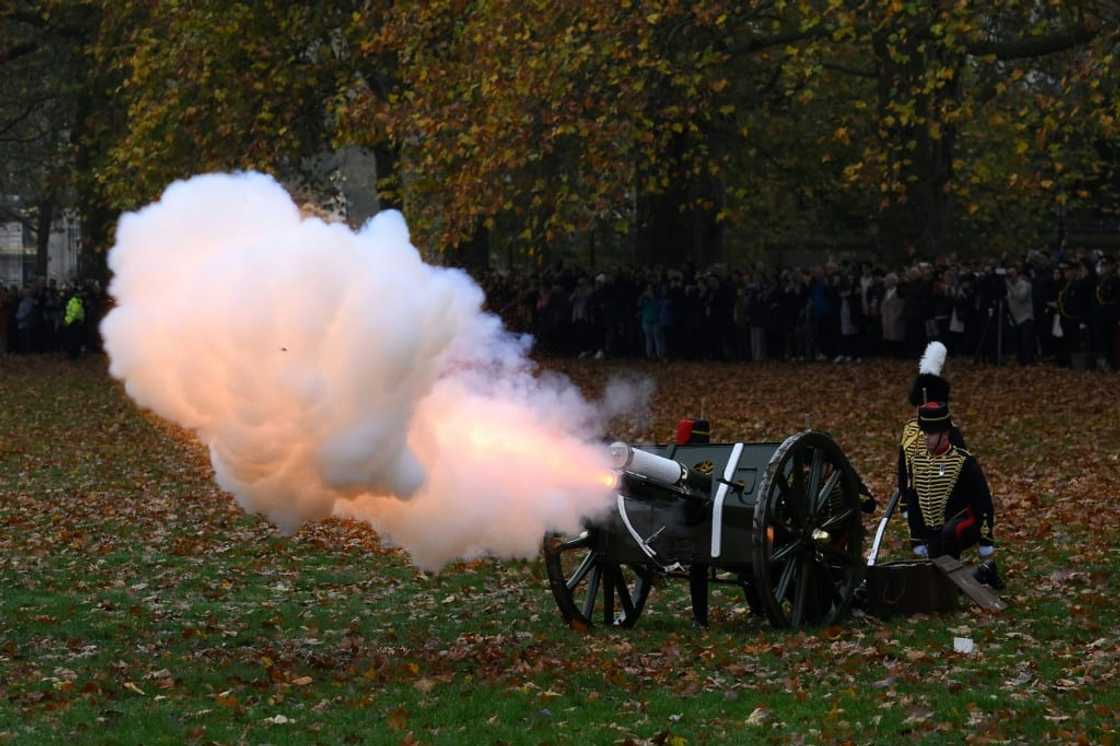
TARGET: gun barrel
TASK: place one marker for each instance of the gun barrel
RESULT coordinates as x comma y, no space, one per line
658,468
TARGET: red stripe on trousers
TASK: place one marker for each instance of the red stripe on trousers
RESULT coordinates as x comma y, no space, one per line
966,523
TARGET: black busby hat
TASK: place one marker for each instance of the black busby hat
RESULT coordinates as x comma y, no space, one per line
929,385
933,417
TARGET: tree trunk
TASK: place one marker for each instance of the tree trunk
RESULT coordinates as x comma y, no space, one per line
925,220
473,255
672,228
43,236
663,235
707,232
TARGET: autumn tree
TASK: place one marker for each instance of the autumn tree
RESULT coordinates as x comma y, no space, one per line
983,117
679,128
559,117
921,121
40,86
222,86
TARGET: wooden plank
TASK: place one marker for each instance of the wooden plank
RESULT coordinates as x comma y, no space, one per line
961,576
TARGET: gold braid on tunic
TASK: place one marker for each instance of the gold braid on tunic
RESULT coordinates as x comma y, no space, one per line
913,441
933,479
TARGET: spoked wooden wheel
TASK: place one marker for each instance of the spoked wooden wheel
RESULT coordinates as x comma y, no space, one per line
588,586
808,535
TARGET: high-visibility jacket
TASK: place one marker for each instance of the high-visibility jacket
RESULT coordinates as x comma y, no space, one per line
75,311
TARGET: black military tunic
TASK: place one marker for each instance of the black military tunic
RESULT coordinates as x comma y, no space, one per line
913,441
949,502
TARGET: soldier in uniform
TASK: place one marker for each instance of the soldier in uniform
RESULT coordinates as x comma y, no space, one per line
1107,313
691,430
1073,308
928,386
951,506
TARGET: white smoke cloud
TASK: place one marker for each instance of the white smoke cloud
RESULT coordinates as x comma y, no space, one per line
334,372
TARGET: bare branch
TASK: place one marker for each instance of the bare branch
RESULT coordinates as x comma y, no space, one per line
1028,47
17,119
17,51
850,70
759,43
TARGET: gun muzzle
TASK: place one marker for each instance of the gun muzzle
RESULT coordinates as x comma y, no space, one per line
658,468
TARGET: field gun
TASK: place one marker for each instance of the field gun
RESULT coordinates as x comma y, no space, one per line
780,520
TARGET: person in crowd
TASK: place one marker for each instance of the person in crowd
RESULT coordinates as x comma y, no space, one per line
1054,331
825,314
73,324
1108,314
648,314
777,320
851,320
961,316
1044,291
580,300
26,313
52,303
7,312
1020,307
804,337
871,284
760,304
664,322
1072,306
991,305
915,290
893,315
691,320
741,316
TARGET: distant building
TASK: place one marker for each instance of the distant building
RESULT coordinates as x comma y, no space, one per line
65,247
11,253
17,251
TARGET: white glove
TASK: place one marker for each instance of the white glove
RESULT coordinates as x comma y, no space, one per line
986,550
921,551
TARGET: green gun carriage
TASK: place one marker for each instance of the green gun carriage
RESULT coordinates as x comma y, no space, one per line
780,520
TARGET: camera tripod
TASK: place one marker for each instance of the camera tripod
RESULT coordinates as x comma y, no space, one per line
995,315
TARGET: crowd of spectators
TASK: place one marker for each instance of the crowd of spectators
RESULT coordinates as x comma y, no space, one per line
35,319
1065,310
1062,309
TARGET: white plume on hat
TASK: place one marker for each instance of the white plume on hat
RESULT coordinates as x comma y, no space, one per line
933,359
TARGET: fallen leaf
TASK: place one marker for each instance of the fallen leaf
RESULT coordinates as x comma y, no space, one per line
397,718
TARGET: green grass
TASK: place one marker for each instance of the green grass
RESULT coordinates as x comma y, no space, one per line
138,605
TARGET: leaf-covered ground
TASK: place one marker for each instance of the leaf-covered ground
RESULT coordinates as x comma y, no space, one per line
139,605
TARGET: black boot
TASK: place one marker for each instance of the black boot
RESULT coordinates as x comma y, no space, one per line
988,574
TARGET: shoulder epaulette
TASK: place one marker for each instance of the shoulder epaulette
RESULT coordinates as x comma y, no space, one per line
910,431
